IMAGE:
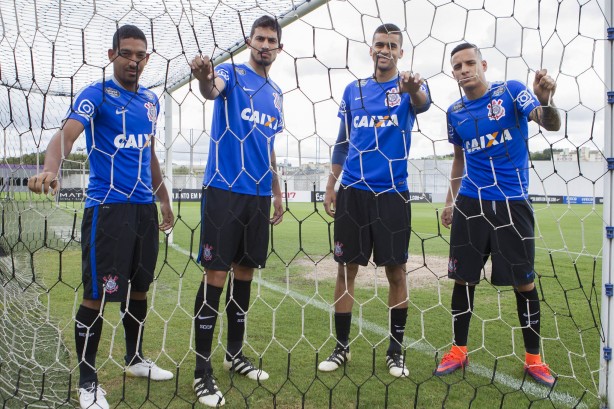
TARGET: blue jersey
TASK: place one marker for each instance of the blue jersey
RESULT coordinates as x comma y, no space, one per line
246,117
493,132
378,120
119,125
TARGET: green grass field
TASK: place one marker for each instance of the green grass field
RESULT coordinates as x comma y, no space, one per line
290,326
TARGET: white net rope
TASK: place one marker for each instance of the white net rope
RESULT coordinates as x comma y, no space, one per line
48,52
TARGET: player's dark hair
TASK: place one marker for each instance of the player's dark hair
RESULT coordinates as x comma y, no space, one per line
128,31
389,28
466,46
267,22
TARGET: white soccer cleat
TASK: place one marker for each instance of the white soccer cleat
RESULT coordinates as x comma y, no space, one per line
338,358
243,366
207,391
148,369
396,365
92,397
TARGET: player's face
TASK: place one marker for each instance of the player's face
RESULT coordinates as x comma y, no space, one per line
386,51
264,46
468,69
129,61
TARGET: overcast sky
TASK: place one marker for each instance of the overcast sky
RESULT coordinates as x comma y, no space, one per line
320,46
329,47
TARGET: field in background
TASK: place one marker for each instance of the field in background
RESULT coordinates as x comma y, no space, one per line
290,326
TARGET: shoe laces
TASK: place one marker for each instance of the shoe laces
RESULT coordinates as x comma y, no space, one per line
451,356
338,352
97,389
207,385
539,367
397,359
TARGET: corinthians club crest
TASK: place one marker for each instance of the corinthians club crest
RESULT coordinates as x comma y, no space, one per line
393,97
110,284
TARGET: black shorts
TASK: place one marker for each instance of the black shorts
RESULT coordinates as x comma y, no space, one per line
504,232
366,221
119,244
234,229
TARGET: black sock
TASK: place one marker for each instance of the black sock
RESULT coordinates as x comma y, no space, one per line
236,310
88,328
527,304
398,319
343,321
134,328
205,317
462,309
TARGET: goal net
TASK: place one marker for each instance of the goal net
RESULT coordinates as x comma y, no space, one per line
51,50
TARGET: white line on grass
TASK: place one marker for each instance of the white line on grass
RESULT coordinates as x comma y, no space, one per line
506,380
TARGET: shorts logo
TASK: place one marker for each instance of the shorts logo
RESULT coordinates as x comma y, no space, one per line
207,252
152,112
452,265
110,284
393,97
496,110
338,249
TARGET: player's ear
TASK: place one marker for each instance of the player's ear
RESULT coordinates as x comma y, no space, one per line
281,46
484,65
248,41
111,54
401,53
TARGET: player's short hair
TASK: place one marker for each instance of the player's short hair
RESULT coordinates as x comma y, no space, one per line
389,28
267,22
466,46
128,31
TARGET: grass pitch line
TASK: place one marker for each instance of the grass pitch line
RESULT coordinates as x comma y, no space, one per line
504,379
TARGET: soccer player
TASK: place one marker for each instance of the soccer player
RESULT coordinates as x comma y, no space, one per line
372,209
240,178
119,232
490,215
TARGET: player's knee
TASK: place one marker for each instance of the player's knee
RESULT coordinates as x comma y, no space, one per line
347,272
525,287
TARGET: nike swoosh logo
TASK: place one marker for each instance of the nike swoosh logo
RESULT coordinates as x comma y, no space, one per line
240,313
248,89
81,326
119,111
205,317
357,98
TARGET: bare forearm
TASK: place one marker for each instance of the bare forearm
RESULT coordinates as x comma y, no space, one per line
276,186
549,117
59,147
333,177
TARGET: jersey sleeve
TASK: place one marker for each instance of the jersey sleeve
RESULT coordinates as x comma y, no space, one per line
227,73
424,107
453,136
524,99
344,105
86,104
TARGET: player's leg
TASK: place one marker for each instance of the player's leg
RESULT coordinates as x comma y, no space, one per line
88,319
397,303
469,250
251,253
352,247
514,256
344,301
134,310
391,231
220,236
